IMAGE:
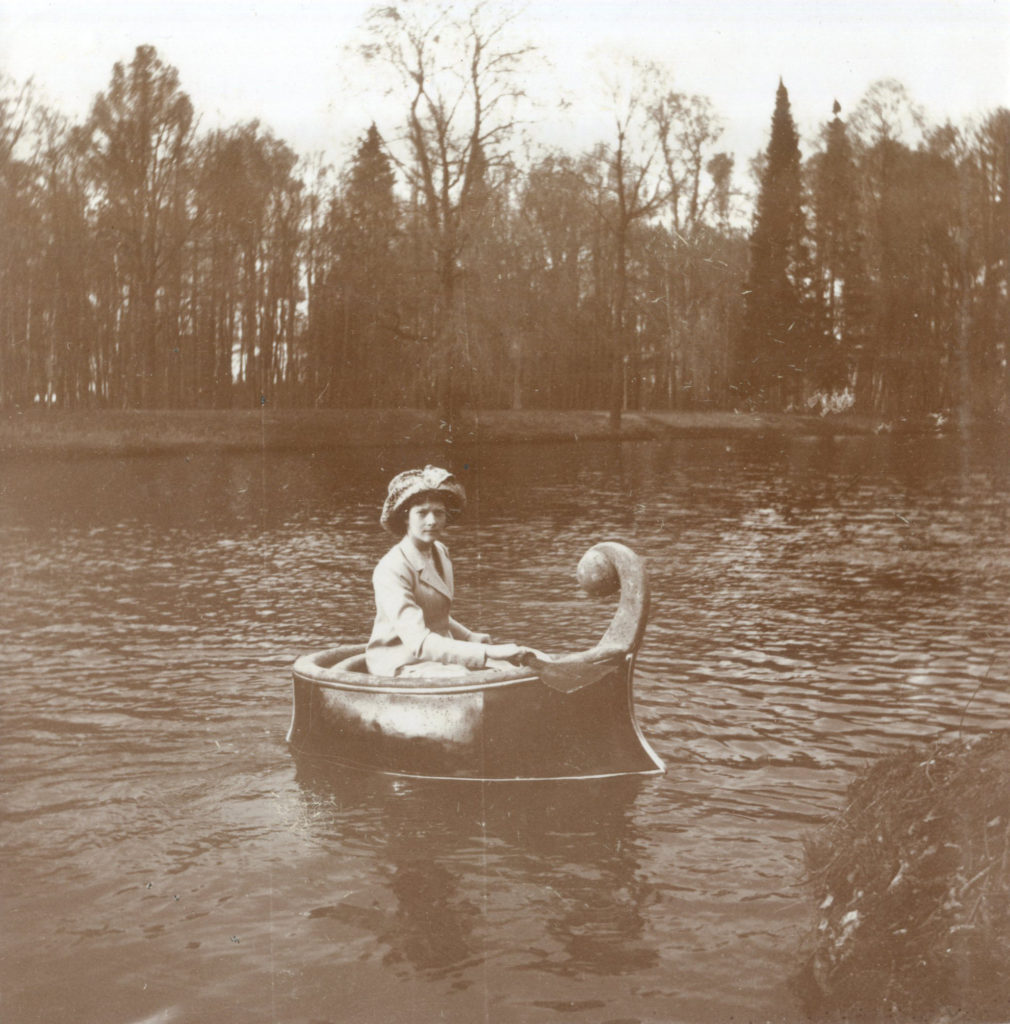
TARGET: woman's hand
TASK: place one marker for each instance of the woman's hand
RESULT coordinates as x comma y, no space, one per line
480,638
531,653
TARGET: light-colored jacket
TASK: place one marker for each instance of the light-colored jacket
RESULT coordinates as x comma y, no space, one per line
412,620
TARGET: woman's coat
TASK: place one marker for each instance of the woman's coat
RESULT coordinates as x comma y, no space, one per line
412,620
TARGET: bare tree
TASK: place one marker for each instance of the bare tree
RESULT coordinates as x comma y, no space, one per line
141,134
459,70
634,189
688,128
699,288
888,113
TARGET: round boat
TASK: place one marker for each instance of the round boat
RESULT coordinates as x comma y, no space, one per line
568,717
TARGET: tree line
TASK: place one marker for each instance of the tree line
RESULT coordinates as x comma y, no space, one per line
145,264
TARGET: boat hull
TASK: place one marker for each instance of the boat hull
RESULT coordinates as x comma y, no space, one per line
492,726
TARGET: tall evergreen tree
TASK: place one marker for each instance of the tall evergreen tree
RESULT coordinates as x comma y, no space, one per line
368,290
840,284
772,347
370,188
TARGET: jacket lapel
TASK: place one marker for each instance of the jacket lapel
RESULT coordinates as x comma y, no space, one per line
426,571
443,553
442,563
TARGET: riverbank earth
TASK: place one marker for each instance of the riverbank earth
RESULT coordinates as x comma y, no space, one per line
912,882
118,432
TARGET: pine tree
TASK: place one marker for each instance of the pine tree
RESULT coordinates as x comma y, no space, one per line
841,287
370,197
773,346
369,289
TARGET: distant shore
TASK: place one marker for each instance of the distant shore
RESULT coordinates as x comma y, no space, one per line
123,432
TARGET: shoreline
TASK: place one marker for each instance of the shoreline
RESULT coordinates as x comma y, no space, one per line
137,432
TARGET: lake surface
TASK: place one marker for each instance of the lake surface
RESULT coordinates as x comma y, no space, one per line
815,604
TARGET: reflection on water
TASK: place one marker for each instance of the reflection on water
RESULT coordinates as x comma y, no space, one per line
814,604
576,843
442,850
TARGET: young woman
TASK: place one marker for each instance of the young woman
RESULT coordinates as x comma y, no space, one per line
414,633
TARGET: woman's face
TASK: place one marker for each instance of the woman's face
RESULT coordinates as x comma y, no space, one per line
426,521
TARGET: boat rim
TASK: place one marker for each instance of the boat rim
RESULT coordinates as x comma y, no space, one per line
307,669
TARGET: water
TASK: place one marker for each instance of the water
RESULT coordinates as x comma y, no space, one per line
815,604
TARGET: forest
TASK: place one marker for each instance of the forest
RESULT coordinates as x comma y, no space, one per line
145,263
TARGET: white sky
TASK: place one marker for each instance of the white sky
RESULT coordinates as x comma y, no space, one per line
284,61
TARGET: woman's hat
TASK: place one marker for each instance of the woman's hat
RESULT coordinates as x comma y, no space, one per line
413,482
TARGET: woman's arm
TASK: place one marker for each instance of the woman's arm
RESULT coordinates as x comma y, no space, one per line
394,599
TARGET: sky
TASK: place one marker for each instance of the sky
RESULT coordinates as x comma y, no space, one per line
288,63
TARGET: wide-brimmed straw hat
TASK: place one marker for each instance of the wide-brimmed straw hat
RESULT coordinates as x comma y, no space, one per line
413,482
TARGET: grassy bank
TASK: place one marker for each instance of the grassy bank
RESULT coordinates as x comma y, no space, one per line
151,431
912,884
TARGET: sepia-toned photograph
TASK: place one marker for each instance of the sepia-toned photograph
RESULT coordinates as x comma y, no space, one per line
505,512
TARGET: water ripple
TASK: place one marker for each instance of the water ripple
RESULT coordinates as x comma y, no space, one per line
814,605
